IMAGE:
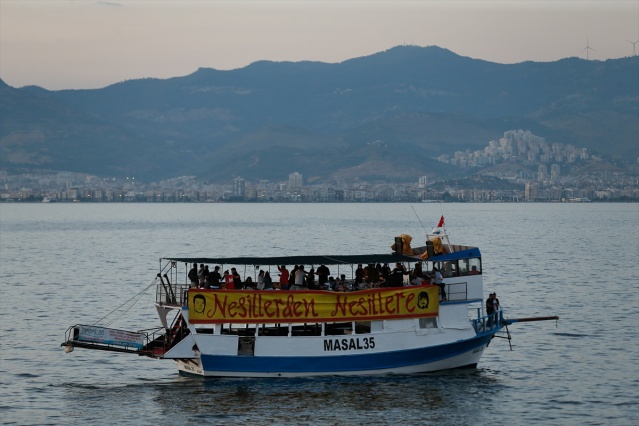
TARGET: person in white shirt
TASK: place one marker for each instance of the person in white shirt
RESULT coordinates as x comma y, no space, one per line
439,281
299,276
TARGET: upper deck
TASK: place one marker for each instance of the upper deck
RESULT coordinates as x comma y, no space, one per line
460,266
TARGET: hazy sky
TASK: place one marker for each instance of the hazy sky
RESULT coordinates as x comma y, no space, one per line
89,44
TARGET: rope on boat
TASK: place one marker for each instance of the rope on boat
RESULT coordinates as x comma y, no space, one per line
136,298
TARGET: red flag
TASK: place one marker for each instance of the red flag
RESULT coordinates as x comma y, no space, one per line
441,222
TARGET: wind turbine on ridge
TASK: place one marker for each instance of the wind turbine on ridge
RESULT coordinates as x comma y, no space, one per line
634,47
588,49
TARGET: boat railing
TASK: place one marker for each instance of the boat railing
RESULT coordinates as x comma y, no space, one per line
108,339
176,294
457,291
171,294
160,340
487,323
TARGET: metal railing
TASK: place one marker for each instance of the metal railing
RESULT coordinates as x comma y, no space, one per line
487,323
457,291
171,294
73,339
176,294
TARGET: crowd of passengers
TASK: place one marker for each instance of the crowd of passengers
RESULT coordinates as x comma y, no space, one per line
371,276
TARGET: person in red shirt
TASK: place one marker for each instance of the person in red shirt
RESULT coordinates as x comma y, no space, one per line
283,277
228,281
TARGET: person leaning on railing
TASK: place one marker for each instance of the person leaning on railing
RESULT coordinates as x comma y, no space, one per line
492,306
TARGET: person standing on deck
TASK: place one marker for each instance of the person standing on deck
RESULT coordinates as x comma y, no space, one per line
490,308
397,276
386,270
495,302
200,275
438,280
260,280
268,282
490,305
228,281
205,274
359,274
322,275
193,276
370,274
207,281
283,277
300,274
291,278
310,279
237,280
215,277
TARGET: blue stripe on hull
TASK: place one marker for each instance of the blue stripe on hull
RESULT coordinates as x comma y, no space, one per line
341,363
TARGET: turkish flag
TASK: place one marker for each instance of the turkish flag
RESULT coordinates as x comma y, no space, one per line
441,222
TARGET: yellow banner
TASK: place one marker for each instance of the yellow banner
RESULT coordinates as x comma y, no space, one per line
221,306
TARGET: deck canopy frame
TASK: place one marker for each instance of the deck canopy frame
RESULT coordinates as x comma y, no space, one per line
325,259
300,260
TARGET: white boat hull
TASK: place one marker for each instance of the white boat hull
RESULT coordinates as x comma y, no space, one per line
459,354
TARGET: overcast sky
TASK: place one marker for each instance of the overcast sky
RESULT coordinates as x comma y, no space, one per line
77,44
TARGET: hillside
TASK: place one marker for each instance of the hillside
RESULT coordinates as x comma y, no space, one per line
380,117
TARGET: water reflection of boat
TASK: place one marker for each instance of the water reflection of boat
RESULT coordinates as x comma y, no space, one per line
377,323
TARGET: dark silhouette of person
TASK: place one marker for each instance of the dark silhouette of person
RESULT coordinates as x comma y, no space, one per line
492,305
193,276
237,280
215,277
322,275
268,281
310,279
359,274
397,276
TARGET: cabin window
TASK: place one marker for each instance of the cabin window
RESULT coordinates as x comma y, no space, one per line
475,266
449,269
464,267
428,323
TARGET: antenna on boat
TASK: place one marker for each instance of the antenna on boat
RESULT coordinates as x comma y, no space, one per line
420,221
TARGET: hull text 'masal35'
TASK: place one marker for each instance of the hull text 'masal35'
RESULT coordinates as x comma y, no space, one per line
414,310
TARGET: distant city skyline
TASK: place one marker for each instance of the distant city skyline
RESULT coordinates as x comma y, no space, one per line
92,44
534,171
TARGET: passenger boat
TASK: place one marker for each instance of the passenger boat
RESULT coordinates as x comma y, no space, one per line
387,328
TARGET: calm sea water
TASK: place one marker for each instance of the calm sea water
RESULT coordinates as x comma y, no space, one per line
63,264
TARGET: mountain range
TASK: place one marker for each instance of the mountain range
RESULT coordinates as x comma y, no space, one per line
379,117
